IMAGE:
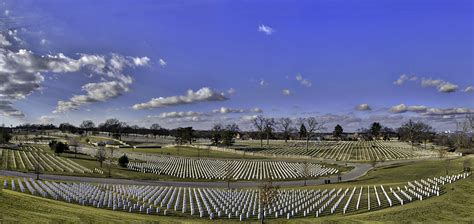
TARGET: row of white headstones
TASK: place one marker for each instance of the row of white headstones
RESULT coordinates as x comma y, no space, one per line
45,161
224,203
234,169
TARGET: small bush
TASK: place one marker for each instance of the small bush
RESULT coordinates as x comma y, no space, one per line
123,161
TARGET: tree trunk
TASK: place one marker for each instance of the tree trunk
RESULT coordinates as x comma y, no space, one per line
261,141
268,139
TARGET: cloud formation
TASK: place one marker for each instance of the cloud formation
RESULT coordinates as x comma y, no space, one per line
286,92
302,81
401,79
363,107
21,74
266,29
162,62
225,110
177,114
202,95
115,82
45,119
469,89
429,111
402,108
441,85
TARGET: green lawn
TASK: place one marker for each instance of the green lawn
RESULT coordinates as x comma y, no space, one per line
190,152
455,206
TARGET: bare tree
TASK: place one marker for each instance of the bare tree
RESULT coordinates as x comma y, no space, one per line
155,128
74,143
411,131
110,158
285,124
100,156
268,195
259,124
462,138
87,125
269,125
312,126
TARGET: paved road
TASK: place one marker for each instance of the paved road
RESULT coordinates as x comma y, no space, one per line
358,171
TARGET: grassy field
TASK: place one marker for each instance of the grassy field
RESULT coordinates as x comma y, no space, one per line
455,206
188,151
398,174
341,150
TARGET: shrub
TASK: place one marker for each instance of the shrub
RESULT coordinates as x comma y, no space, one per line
123,161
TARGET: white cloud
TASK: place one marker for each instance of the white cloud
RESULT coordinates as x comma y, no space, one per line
225,110
140,61
426,111
401,80
266,29
6,12
231,91
177,114
302,81
286,92
248,118
402,108
203,94
447,88
263,82
107,89
95,92
363,107
43,41
6,109
20,72
469,89
448,111
162,62
441,85
45,119
3,41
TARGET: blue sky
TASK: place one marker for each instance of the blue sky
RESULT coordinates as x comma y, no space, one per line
285,58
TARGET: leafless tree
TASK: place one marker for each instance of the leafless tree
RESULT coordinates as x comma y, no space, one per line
285,124
74,144
259,124
100,156
463,140
110,158
268,195
269,125
312,126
